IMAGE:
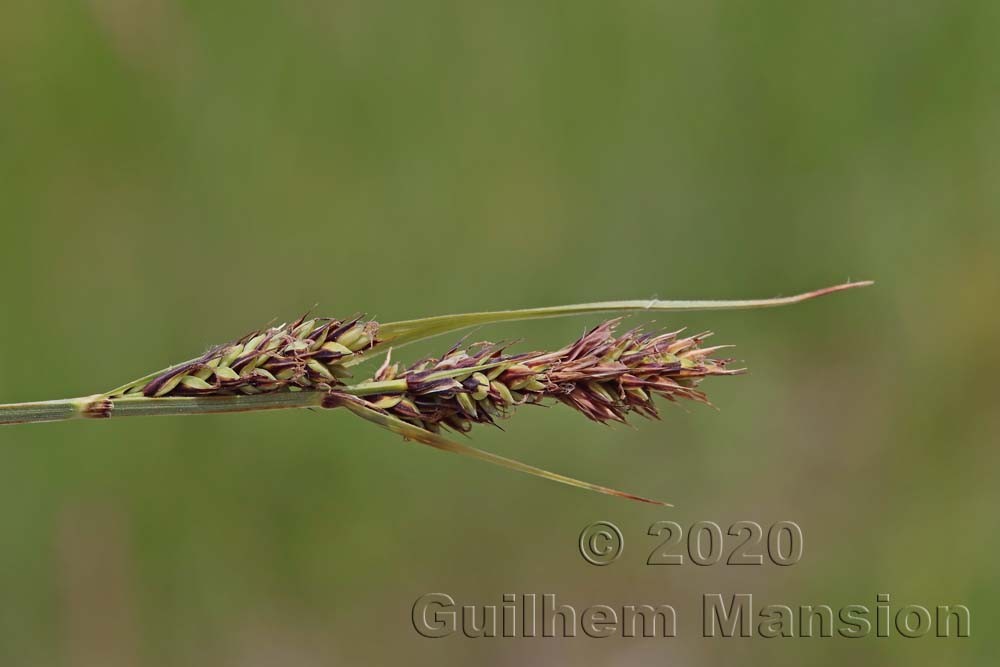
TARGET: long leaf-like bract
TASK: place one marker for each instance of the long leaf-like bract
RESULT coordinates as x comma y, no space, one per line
411,432
400,333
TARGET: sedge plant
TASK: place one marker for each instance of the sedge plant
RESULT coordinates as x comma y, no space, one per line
604,375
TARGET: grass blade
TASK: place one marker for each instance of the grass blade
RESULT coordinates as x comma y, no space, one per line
408,331
412,432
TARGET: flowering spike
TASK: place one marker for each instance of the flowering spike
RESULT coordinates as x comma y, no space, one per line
306,354
582,375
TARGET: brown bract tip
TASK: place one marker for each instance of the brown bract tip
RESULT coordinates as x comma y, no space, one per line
97,407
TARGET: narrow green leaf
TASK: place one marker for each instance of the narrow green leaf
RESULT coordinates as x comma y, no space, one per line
418,434
407,331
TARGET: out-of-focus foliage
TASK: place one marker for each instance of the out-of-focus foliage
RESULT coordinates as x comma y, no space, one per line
173,174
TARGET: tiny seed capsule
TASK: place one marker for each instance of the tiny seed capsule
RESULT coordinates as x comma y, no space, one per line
518,384
486,405
534,385
264,373
315,344
387,402
320,369
616,352
350,337
250,365
304,329
459,424
169,385
192,382
468,407
361,343
483,387
252,344
503,390
638,393
596,388
338,348
225,373
232,353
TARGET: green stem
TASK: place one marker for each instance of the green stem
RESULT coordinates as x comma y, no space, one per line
41,411
140,406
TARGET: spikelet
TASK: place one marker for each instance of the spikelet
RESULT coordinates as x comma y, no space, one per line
308,354
603,376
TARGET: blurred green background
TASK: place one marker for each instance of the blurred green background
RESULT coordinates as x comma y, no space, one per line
173,174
